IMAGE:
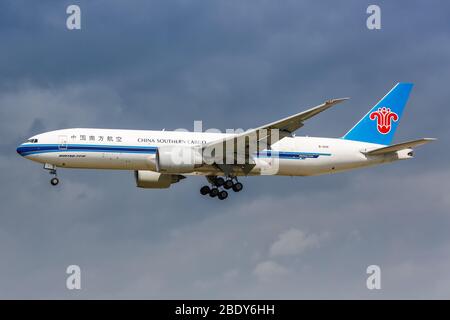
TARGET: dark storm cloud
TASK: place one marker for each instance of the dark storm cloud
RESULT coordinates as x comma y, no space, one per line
156,64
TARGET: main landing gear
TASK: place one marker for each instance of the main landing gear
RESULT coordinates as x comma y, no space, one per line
217,183
52,170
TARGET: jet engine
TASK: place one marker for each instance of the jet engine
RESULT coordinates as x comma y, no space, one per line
155,180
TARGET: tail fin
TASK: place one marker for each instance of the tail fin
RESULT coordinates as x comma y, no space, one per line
379,124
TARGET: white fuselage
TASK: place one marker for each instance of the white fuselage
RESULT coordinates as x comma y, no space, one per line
136,149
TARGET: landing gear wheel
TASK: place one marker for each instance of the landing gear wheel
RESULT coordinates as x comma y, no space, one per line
54,181
214,192
228,184
205,190
237,187
219,181
223,195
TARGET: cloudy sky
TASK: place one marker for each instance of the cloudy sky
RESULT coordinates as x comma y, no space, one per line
231,64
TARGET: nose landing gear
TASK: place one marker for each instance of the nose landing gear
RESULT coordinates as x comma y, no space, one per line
54,181
52,170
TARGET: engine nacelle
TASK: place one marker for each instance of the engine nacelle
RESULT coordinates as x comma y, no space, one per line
178,159
156,180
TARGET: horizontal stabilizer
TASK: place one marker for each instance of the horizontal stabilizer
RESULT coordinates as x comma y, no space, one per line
400,146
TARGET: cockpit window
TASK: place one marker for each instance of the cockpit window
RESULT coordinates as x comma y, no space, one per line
32,140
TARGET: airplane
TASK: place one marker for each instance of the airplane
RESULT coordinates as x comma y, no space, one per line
154,155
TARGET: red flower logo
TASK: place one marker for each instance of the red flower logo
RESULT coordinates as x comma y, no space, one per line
384,116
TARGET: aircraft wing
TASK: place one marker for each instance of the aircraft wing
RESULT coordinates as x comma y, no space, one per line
400,146
271,132
294,122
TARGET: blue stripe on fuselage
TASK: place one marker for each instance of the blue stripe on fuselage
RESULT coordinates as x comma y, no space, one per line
29,149
291,155
26,150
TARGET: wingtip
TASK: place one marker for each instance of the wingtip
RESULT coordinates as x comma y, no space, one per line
336,100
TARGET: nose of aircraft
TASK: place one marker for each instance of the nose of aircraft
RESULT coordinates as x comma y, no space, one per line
20,149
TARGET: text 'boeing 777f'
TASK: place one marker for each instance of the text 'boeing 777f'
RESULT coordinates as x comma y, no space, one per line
162,158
